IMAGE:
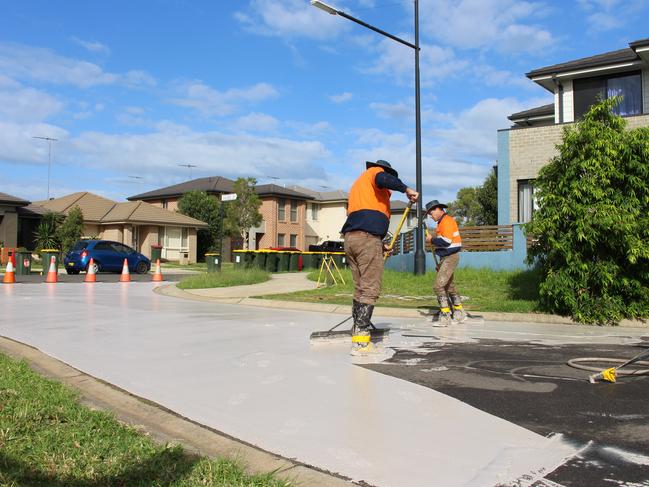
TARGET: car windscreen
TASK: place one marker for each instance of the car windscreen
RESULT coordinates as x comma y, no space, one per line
80,246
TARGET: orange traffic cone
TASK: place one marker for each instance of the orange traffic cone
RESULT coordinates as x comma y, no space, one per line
10,274
52,275
157,275
125,277
90,275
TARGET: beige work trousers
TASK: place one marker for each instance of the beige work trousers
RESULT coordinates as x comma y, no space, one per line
444,281
365,256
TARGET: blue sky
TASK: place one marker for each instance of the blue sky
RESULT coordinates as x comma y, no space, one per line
275,89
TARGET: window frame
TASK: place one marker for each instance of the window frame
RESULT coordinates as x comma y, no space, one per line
281,209
294,211
281,240
605,79
533,204
292,240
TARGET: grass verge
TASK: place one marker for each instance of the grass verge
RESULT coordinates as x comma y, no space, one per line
487,290
48,439
227,277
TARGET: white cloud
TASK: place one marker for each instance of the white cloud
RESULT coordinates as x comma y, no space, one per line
92,46
304,129
20,104
492,24
211,102
40,64
397,61
341,97
257,122
289,19
394,110
605,15
17,143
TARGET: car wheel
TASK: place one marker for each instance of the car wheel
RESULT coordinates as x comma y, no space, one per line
95,266
141,268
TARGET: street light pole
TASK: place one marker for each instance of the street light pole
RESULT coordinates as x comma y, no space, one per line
420,256
49,159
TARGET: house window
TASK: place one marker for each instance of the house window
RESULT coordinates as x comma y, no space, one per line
164,204
293,210
185,232
281,210
526,203
281,238
314,211
588,91
293,241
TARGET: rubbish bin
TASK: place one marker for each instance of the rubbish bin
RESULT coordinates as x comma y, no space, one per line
338,258
259,259
239,259
271,260
23,262
213,261
156,252
283,261
46,258
248,258
295,263
316,259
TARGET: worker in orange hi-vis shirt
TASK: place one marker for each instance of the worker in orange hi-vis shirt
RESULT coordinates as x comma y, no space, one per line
447,244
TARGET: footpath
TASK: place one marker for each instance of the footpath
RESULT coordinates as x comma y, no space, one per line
296,281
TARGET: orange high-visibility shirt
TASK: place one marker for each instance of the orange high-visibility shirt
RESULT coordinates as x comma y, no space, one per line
366,195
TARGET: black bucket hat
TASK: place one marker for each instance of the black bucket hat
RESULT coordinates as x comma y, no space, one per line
384,164
434,204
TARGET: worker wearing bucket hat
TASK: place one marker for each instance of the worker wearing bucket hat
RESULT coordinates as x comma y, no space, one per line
447,245
368,219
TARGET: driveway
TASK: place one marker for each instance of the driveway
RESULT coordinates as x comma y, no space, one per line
250,372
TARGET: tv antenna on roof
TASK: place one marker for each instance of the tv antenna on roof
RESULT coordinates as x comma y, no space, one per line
188,166
49,159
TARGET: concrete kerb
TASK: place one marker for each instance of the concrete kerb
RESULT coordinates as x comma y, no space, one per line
164,425
172,290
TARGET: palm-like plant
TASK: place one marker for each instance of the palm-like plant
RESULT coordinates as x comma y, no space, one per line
45,233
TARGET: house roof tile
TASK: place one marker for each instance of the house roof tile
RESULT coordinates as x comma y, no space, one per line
12,200
541,111
614,57
214,184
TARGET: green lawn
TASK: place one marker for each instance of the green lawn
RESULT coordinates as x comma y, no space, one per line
487,290
48,439
227,277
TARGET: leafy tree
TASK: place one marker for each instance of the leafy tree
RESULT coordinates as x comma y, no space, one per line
479,205
243,213
487,198
465,208
46,235
203,207
70,230
593,222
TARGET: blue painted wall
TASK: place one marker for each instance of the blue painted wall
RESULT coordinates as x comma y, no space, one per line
503,178
506,260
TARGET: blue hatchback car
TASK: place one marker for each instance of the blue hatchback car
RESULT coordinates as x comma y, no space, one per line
107,256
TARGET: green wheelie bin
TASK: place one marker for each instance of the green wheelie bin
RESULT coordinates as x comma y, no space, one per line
338,259
283,261
271,260
213,261
239,259
295,261
46,259
260,259
23,262
248,258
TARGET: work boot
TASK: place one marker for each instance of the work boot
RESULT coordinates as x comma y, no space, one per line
444,318
361,344
459,315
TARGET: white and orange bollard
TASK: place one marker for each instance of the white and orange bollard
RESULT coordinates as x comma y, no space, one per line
10,274
126,276
157,275
52,275
90,275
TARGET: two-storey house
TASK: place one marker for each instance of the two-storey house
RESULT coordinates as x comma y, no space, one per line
529,144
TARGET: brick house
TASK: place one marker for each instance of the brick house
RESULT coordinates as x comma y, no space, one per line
326,214
134,223
529,144
283,211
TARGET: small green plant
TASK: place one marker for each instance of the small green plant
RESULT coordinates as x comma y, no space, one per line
46,235
71,229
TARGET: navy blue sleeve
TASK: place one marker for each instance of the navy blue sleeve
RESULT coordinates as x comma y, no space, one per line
388,181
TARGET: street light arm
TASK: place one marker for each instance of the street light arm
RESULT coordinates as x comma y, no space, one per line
333,11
